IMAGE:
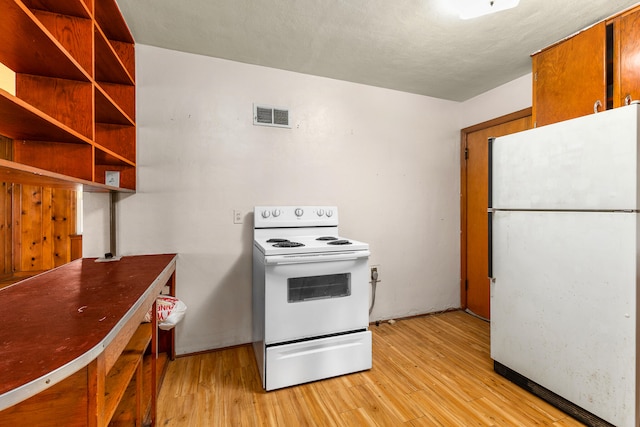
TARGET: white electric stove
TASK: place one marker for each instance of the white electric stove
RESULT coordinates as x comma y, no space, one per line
310,296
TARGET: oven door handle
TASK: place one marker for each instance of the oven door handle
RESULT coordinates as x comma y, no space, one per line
309,258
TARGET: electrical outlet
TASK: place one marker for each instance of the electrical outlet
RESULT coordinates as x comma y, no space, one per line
375,268
237,216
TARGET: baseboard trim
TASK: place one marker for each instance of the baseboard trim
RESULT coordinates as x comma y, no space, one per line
374,323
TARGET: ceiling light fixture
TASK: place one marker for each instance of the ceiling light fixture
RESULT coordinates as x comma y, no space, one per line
468,9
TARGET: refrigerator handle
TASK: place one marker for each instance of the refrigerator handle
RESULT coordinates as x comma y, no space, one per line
490,207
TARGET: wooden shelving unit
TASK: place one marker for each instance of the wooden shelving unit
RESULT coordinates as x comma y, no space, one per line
73,112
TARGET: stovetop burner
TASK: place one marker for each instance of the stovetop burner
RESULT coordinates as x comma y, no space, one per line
339,242
275,240
323,238
287,244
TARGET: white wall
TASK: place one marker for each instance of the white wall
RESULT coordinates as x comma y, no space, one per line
510,97
389,161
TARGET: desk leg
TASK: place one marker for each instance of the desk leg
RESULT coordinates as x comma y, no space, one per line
154,365
172,333
96,379
139,415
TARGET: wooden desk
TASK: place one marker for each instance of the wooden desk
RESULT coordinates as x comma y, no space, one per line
71,340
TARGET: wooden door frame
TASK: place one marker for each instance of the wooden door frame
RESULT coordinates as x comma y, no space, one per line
463,190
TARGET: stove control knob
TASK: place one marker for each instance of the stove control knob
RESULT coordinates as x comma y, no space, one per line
329,213
320,212
299,212
276,213
265,214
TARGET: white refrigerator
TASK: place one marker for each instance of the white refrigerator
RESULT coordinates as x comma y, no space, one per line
563,262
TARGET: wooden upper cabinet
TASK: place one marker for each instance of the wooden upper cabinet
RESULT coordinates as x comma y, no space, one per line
594,70
626,76
569,78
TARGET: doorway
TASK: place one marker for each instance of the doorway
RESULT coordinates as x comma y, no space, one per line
474,286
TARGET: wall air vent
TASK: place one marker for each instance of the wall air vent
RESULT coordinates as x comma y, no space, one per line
264,115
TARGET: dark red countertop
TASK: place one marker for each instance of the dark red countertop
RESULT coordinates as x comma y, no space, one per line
54,324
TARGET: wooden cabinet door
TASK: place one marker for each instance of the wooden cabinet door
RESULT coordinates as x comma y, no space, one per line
570,77
627,58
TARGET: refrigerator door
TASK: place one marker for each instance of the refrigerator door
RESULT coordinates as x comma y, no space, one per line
563,305
589,163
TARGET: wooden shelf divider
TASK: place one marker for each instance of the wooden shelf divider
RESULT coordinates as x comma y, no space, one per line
129,362
21,32
20,120
76,8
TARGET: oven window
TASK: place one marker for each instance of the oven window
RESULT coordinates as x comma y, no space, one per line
318,287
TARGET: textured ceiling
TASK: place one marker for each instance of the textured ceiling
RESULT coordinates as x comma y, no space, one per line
417,46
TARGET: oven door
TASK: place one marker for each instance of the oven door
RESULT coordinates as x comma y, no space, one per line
312,295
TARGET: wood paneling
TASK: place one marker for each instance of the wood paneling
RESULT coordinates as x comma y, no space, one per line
63,219
43,221
427,371
28,228
76,246
6,251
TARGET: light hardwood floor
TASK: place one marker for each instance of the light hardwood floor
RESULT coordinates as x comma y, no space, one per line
427,371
